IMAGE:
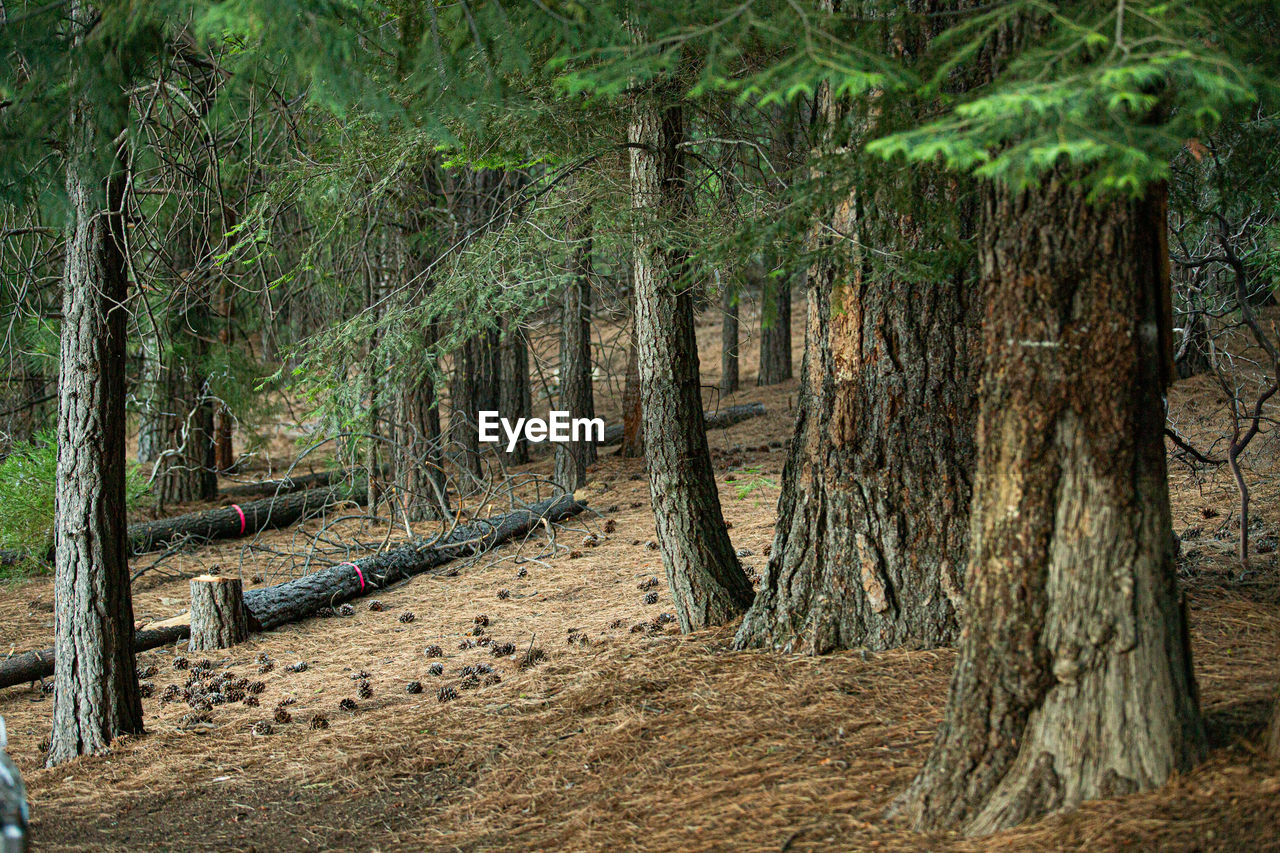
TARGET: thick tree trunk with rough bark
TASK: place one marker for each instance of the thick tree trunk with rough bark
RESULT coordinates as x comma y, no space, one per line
775,332
872,537
576,393
1074,677
95,695
517,399
707,583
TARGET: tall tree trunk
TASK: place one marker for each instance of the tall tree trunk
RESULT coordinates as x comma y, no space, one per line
1074,676
224,451
728,335
707,583
517,399
775,331
464,403
576,393
872,537
419,459
95,695
187,464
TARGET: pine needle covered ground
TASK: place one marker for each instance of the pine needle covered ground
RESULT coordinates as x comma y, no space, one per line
626,735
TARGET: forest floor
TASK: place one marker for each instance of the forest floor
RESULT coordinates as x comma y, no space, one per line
628,735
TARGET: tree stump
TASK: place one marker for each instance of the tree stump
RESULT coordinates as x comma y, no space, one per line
218,617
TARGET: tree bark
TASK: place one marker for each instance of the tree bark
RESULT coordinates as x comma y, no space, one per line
872,537
229,522
517,400
632,420
218,616
576,392
419,459
1074,676
95,695
775,331
707,583
728,337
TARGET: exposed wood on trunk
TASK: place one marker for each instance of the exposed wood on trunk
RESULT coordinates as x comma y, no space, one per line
273,606
872,535
218,617
1074,677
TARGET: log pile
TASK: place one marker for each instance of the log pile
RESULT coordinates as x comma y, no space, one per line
270,607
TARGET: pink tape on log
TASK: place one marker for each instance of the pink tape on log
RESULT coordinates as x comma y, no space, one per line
240,513
359,573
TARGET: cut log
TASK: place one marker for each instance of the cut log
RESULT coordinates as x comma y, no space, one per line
218,616
270,607
230,522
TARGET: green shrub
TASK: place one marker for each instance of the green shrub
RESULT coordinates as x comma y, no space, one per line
27,478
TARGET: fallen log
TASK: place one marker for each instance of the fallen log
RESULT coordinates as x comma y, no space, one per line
230,522
720,419
272,606
284,485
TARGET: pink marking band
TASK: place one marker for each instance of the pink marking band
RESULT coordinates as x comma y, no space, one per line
240,513
359,573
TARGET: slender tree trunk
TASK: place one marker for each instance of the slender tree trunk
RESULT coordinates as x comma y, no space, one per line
517,400
775,331
95,697
707,583
872,537
419,460
1074,676
576,393
224,451
632,420
728,336
464,403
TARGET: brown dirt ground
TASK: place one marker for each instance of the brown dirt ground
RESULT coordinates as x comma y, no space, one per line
629,740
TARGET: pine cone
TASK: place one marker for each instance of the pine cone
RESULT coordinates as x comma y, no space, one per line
324,612
255,687
501,650
481,620
651,583
433,651
319,721
262,728
504,594
346,610
347,705
172,693
532,658
610,526
181,663
148,671
282,716
146,689
436,669
447,693
300,666
651,598
266,667
252,701
365,690
413,687
375,606
406,617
